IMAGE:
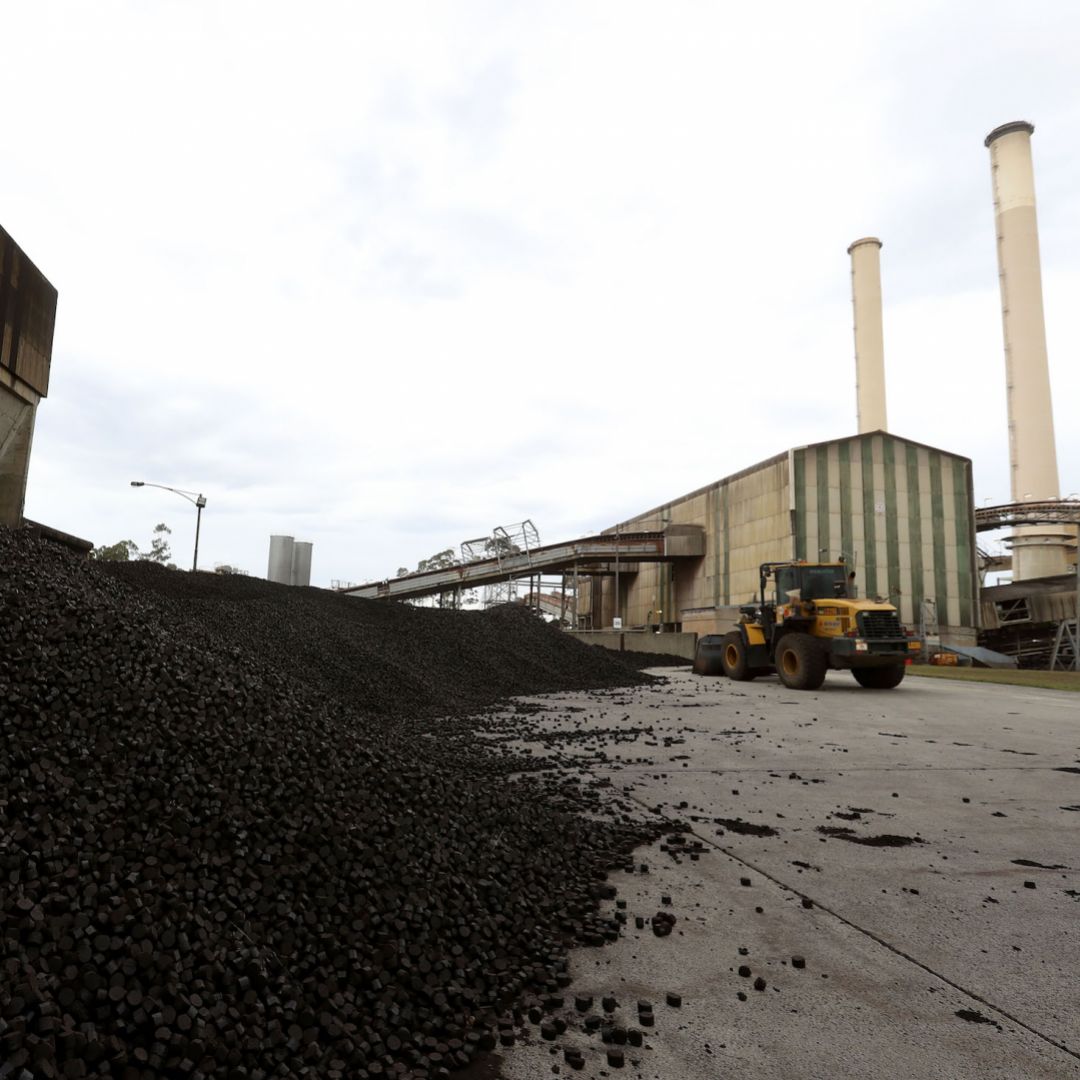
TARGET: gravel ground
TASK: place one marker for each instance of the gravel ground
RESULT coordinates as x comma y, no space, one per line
243,835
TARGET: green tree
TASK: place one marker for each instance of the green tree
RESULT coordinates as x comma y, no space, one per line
121,551
128,550
439,561
442,560
496,546
159,547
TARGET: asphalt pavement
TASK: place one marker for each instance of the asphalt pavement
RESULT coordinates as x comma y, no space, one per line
872,884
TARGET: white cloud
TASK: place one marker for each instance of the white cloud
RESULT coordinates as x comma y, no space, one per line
385,276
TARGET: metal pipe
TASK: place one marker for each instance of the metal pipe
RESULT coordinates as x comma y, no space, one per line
1038,551
869,334
618,606
576,595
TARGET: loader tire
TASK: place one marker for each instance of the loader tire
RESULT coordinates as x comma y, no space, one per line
733,657
800,662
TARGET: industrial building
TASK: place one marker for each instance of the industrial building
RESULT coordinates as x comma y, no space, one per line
27,318
899,513
1036,617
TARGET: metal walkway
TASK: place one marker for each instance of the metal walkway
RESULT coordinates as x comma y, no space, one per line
675,542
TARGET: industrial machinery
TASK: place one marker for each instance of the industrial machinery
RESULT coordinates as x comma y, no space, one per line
809,624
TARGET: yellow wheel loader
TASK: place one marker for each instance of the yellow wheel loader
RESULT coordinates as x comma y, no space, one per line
806,625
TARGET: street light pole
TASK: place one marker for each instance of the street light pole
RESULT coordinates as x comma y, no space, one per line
199,504
197,499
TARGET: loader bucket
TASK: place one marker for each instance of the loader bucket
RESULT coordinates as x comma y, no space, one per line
707,656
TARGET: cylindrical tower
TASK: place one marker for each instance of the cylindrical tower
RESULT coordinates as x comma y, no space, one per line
281,560
1038,551
301,563
869,336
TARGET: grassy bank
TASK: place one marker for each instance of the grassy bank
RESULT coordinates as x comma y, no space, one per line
1043,680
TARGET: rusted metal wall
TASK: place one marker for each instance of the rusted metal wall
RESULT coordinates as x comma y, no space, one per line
27,317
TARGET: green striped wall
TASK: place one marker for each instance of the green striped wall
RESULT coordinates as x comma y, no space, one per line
914,524
824,537
893,574
965,555
937,511
904,514
799,480
847,532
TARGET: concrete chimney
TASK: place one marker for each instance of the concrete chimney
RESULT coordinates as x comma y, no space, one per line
869,339
1038,551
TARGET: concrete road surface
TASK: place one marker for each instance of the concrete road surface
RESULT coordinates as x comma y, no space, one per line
918,849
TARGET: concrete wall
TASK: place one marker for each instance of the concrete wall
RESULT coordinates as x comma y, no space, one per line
711,620
630,641
17,414
747,521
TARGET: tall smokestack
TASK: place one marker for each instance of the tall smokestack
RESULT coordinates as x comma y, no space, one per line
1037,551
869,339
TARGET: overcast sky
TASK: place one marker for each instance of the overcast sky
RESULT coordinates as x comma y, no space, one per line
383,276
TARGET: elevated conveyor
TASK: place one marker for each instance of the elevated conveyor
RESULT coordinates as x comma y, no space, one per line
1050,512
668,545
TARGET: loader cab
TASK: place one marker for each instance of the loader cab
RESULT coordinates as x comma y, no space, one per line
824,582
810,582
787,582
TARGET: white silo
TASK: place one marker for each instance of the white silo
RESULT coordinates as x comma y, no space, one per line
281,560
301,563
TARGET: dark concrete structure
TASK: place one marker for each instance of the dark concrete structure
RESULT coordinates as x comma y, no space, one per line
27,318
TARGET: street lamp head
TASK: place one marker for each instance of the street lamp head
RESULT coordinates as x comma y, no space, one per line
138,483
